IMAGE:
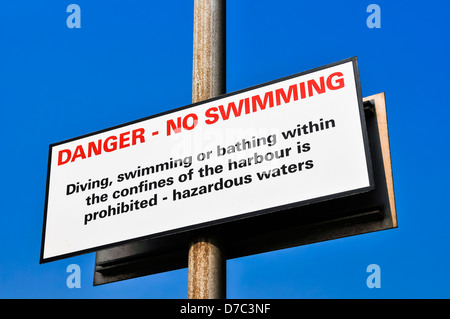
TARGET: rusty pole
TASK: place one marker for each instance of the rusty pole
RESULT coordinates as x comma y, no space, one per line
207,263
208,74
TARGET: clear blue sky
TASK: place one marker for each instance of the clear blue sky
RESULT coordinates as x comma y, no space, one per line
125,63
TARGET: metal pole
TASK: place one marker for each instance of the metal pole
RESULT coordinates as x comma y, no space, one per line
208,74
207,263
207,269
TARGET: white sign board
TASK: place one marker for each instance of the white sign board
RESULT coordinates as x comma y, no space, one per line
282,144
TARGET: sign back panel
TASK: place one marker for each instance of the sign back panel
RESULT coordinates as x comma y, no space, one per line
279,145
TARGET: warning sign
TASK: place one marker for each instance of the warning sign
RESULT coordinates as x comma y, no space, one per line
282,144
